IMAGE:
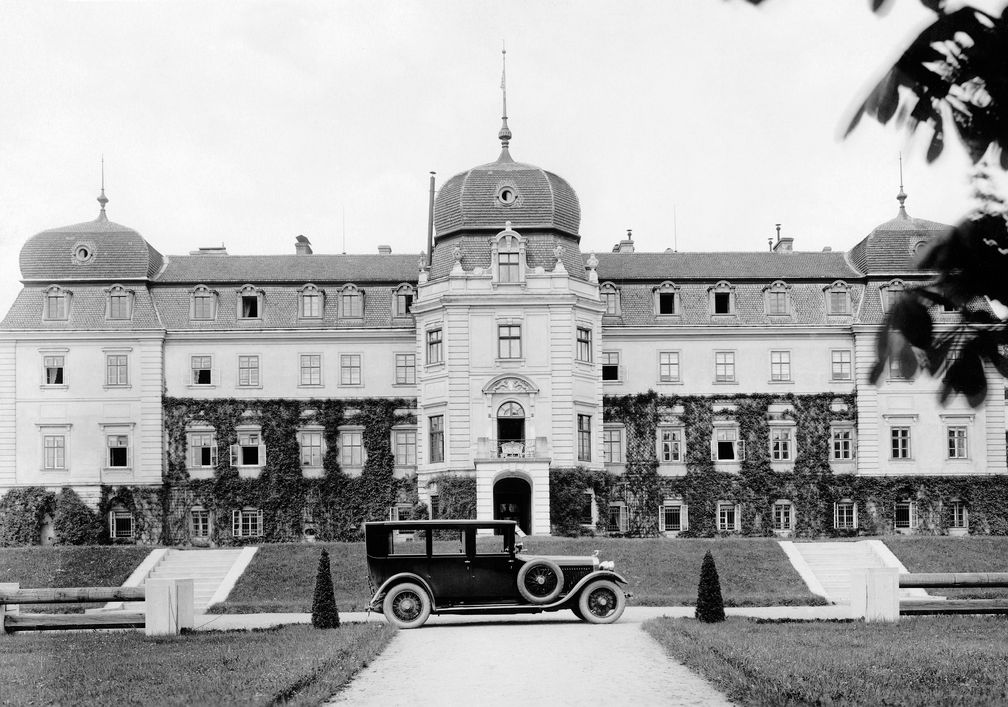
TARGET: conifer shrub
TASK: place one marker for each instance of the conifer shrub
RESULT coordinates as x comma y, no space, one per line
324,613
710,605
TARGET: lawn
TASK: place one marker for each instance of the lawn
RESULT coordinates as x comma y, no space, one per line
295,664
753,571
932,660
85,566
946,554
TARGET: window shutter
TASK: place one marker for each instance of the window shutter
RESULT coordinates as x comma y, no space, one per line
836,515
913,514
111,524
684,517
622,372
190,453
259,522
661,519
713,450
738,517
262,454
741,450
213,451
855,516
234,455
235,524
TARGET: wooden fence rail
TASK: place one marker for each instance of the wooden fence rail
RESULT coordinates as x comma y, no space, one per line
875,593
72,595
950,580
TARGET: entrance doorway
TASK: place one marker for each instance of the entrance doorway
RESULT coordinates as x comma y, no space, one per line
512,500
510,429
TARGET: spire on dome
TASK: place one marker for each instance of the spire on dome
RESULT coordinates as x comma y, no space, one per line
102,199
505,132
901,197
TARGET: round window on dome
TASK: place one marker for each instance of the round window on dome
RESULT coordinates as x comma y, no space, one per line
83,252
507,196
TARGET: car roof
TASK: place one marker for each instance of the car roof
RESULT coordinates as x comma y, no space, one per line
420,524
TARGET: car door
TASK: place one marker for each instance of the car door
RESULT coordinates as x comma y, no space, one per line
492,567
447,570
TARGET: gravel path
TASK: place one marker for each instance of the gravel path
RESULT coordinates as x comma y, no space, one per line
509,660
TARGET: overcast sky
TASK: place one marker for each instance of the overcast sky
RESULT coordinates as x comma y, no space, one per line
250,123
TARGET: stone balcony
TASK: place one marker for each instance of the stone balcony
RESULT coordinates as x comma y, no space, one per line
532,449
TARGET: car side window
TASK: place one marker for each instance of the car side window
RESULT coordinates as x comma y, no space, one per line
413,542
491,544
449,541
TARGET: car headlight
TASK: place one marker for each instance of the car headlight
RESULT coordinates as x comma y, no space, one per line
607,565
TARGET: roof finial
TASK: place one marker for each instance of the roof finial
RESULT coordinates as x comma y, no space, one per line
102,199
505,132
901,197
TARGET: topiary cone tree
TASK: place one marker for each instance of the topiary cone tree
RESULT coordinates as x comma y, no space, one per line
709,605
324,613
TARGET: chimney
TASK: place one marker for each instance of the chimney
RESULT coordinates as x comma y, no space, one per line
385,249
302,246
827,249
625,245
784,245
210,250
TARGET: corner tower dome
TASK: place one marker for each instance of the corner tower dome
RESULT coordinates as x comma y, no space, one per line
93,250
893,246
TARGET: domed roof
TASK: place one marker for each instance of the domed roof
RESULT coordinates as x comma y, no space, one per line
93,250
487,196
892,246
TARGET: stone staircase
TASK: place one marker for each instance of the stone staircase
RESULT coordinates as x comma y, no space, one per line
830,565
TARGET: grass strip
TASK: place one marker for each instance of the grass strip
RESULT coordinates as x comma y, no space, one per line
933,660
289,665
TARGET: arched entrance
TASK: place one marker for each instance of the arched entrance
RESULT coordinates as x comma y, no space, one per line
510,429
512,500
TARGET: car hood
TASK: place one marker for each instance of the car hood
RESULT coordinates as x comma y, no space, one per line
562,560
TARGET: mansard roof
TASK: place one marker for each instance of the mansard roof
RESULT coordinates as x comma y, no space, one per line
87,310
891,247
318,268
762,265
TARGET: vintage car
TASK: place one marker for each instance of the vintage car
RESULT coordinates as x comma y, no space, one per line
423,567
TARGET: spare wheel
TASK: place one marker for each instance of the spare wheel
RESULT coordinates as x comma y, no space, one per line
540,581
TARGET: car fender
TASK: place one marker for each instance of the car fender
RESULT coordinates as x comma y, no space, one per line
397,579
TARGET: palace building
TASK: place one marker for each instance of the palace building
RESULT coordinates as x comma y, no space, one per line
509,358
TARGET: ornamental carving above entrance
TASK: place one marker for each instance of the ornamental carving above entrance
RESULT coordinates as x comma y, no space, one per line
510,384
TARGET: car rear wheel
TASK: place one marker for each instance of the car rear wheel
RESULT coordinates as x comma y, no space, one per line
540,581
406,605
601,602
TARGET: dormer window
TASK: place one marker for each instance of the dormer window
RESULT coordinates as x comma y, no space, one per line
722,298
507,257
666,299
507,195
610,297
351,303
778,299
311,302
203,304
892,291
402,300
120,303
250,301
56,303
838,298
83,253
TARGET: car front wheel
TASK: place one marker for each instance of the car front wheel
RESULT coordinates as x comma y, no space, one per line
601,602
406,605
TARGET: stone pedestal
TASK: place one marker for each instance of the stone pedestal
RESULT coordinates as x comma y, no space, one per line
168,606
874,594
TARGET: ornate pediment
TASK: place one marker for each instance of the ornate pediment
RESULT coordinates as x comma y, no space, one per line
510,384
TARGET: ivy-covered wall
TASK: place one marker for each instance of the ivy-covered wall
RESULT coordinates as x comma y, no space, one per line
809,484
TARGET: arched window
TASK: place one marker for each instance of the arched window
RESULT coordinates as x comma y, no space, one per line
203,303
510,409
507,257
351,302
312,302
666,299
610,297
838,300
56,303
250,302
892,291
119,304
777,299
402,300
722,299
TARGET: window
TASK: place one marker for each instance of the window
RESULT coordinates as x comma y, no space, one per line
722,303
584,437
905,516
843,443
350,369
311,302
722,298
896,369
777,303
838,301
54,452
404,447
617,519
249,303
351,303
311,369
959,516
670,444
311,448
957,448
507,264
120,524
891,292
54,367
199,522
117,451
845,515
202,450
783,516
612,445
435,507
248,371
900,442
436,431
840,365
204,304
666,303
781,444
666,299
119,303
610,366
509,341
247,523
585,511
251,451
668,367
584,345
780,366
610,297
726,445
402,301
405,369
724,367
434,347
201,366
351,448
116,370
57,303
727,517
672,518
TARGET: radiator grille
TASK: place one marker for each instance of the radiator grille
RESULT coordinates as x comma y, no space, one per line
573,575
